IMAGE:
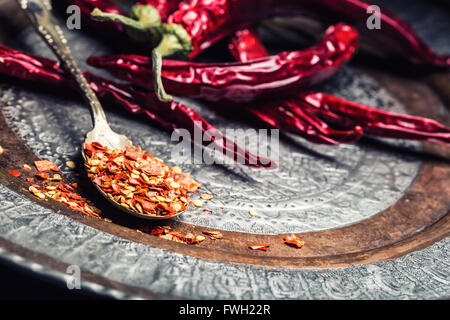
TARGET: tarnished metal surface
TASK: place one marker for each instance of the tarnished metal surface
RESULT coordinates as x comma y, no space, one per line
356,204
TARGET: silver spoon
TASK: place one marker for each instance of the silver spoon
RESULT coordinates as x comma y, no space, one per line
39,13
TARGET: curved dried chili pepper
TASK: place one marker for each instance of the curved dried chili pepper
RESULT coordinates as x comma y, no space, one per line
315,131
394,37
170,115
311,108
244,81
375,121
197,24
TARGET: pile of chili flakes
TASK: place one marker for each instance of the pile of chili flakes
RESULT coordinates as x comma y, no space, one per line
49,185
139,181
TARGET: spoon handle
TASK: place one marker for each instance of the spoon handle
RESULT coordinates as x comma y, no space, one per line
39,12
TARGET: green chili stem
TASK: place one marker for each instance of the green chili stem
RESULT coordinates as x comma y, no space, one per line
157,76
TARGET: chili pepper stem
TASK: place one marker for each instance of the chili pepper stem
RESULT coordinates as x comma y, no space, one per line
157,80
169,45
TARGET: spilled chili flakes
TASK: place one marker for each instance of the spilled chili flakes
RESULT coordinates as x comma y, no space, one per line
65,195
294,240
166,233
14,173
213,235
42,175
261,246
138,181
45,165
61,192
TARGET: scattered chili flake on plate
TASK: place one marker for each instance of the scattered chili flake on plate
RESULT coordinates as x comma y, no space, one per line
294,240
45,165
206,196
14,173
62,193
139,181
213,235
261,246
166,233
207,210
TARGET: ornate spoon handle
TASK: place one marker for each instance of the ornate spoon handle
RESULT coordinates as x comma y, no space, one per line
40,15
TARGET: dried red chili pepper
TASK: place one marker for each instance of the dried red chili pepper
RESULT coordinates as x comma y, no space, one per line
197,24
294,240
374,121
395,37
207,21
244,81
135,100
314,110
261,246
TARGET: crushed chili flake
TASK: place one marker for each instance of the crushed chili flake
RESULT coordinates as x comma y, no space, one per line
139,181
45,165
27,167
14,173
213,235
207,210
61,192
294,240
56,177
42,175
261,246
